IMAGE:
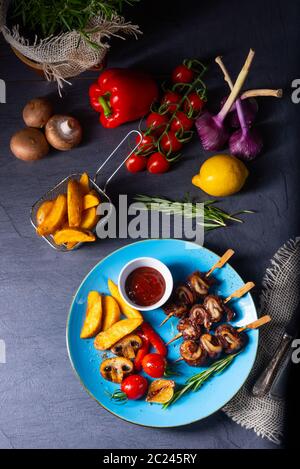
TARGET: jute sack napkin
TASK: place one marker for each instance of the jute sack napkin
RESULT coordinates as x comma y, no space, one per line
279,298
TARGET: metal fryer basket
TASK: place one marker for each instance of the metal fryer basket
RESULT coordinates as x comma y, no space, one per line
61,188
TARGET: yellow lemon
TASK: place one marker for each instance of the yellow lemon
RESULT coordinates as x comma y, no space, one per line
221,175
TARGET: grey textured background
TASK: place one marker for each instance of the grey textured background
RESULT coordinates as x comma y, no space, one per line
42,403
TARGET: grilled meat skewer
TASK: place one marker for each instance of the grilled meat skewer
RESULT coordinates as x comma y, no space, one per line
193,353
213,309
232,341
190,330
227,339
198,285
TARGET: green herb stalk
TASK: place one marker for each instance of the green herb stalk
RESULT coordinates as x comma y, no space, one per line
212,217
195,382
47,17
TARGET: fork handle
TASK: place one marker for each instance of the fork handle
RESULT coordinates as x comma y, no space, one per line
266,379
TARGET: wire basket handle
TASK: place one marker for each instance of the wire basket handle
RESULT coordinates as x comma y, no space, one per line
112,154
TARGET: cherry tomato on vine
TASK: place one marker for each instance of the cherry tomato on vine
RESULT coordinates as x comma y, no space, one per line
154,365
193,103
182,74
158,163
157,122
136,163
171,100
169,143
181,122
146,143
134,386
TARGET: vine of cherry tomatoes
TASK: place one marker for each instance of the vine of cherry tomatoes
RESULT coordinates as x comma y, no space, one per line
168,127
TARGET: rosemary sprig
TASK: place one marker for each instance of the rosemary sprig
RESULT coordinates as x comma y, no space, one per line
47,17
212,217
195,382
118,396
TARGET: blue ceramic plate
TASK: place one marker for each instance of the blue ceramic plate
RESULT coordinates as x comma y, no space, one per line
182,258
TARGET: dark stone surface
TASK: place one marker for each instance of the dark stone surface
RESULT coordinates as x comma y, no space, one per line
42,403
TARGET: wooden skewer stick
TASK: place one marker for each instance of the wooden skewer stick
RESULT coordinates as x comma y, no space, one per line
166,319
240,292
221,262
253,325
218,265
236,294
263,92
177,336
256,324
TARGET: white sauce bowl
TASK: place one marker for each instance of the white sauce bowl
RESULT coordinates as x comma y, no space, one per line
146,262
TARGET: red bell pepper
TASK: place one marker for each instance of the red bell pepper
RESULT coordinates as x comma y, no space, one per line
154,339
122,95
142,352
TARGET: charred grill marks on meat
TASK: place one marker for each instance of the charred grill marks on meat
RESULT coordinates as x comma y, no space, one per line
232,341
199,283
193,353
217,309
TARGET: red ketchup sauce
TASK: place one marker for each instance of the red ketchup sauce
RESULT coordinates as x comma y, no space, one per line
145,286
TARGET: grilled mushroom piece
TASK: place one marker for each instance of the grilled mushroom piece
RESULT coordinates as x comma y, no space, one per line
128,347
212,345
115,369
217,309
199,283
199,315
185,295
193,353
189,330
231,340
179,311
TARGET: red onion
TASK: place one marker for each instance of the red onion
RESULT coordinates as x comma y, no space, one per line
250,108
211,129
212,132
245,142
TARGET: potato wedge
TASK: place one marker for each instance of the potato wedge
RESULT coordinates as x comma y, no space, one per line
43,211
160,391
106,339
127,310
70,246
74,203
111,312
89,218
73,235
55,218
90,200
84,183
93,316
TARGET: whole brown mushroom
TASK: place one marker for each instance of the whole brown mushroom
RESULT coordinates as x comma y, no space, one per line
29,144
63,132
37,112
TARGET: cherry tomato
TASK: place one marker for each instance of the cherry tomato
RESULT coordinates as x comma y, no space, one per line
169,143
136,163
146,143
157,122
182,74
193,103
171,100
181,122
134,386
154,365
158,163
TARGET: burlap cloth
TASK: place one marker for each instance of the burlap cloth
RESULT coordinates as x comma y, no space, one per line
279,298
68,54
